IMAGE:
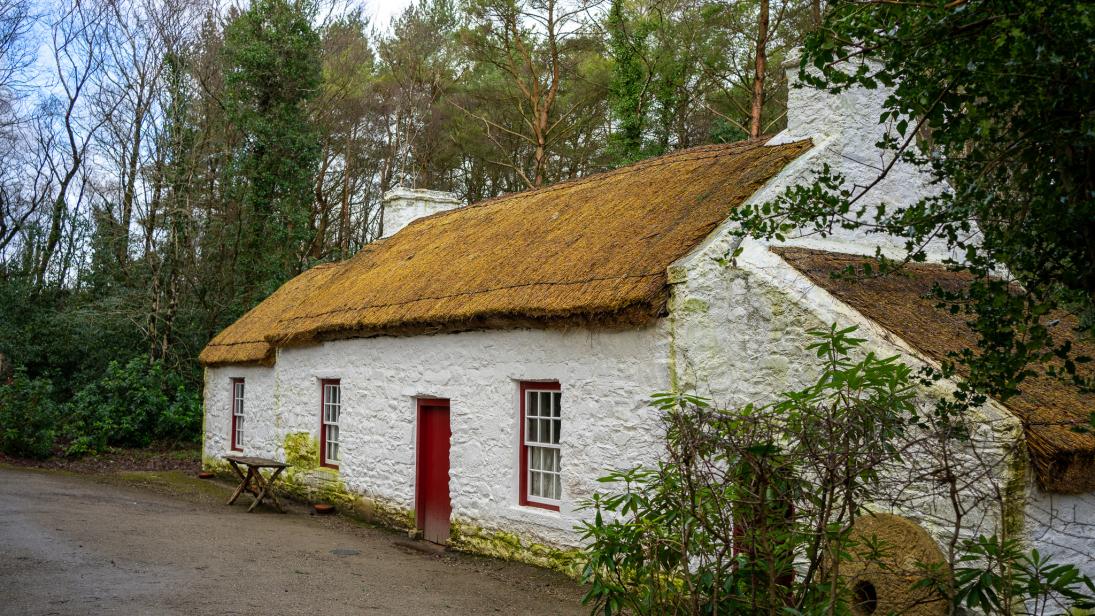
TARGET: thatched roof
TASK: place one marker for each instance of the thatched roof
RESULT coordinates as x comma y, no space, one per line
589,251
1049,409
244,342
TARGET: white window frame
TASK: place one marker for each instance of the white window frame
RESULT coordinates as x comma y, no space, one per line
534,446
330,415
238,413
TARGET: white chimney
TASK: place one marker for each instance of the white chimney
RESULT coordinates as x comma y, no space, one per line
850,117
845,129
402,206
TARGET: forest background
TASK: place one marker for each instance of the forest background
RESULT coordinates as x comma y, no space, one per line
169,163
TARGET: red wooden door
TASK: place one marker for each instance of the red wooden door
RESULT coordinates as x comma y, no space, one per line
432,505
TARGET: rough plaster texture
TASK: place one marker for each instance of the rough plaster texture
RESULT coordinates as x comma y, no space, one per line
402,206
259,391
845,130
606,378
1062,526
739,335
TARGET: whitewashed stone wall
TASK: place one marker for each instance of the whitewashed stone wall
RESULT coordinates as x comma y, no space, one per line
606,377
845,130
260,423
740,336
1062,526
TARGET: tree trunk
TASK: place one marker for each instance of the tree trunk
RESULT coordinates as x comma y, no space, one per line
130,190
759,69
56,218
344,210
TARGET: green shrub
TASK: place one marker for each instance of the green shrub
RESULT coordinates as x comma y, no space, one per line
28,416
181,421
130,406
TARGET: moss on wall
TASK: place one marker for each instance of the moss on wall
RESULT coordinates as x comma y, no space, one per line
1015,491
382,513
695,305
308,482
468,537
301,450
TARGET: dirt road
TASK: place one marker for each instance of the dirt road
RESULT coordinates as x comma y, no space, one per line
78,545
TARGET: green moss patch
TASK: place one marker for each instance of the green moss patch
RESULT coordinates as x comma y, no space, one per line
301,450
695,305
468,537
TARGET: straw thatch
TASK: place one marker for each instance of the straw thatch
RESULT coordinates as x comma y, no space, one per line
244,342
590,251
1051,410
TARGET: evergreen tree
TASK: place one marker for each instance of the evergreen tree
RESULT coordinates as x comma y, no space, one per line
627,40
272,69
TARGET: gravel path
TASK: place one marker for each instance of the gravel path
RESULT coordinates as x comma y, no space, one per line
163,543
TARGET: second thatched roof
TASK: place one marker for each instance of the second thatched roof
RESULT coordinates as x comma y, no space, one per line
1054,413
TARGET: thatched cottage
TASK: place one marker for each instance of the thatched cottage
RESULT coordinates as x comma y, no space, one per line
474,373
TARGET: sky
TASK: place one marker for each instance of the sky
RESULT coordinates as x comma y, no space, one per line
382,11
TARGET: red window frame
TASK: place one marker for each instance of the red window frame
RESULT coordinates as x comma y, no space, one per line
524,449
232,411
323,383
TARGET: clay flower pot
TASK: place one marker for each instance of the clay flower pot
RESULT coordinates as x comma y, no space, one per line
323,508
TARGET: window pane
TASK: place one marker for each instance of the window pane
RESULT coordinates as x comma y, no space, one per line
542,435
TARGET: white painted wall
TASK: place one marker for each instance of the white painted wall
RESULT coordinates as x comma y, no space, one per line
1062,526
607,379
260,423
844,128
741,336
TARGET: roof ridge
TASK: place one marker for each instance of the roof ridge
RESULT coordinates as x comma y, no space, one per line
714,150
